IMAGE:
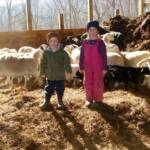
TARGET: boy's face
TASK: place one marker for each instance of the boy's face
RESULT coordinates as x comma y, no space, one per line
92,32
53,42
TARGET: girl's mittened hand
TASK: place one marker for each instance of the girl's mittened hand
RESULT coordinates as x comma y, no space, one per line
81,71
104,72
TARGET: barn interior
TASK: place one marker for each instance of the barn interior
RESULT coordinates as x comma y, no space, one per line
121,122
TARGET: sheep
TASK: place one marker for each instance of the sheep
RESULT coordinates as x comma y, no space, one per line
145,63
114,58
133,58
123,53
123,74
75,55
26,49
7,50
20,65
69,48
43,46
116,38
107,38
75,68
77,76
77,40
110,47
146,81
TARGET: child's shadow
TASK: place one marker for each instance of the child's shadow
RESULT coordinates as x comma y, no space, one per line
125,135
71,135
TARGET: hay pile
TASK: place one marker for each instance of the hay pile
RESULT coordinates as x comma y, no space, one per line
136,31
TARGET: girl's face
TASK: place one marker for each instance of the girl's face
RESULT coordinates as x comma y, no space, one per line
53,42
92,32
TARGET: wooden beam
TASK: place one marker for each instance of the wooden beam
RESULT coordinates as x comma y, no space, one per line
61,21
90,10
29,15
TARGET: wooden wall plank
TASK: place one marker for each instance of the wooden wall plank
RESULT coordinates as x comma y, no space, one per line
32,38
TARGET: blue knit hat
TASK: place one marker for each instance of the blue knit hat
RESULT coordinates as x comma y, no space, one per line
94,23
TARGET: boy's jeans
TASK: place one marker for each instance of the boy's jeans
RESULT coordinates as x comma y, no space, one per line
51,86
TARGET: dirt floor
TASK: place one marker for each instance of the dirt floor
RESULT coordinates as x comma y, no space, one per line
122,122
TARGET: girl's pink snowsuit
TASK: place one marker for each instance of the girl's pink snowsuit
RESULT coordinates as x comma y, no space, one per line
93,63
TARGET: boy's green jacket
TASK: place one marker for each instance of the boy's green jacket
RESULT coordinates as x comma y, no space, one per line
54,64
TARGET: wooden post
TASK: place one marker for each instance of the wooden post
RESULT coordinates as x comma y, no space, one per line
29,15
90,10
61,21
117,12
141,7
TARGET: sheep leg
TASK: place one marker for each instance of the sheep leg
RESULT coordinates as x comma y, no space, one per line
126,85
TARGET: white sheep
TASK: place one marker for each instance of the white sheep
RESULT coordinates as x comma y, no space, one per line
108,38
18,65
133,58
110,47
26,49
7,50
75,68
116,38
43,46
69,48
145,62
114,58
75,55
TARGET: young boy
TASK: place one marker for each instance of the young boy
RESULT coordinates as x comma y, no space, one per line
54,63
93,62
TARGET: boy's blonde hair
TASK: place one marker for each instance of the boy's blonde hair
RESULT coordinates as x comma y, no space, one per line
53,34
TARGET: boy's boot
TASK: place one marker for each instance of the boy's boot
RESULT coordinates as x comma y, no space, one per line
60,103
45,104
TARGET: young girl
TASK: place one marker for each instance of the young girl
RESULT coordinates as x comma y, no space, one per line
54,63
93,63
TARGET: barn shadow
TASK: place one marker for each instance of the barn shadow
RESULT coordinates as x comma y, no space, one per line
71,135
123,134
